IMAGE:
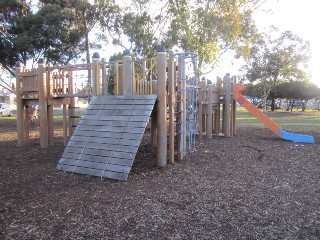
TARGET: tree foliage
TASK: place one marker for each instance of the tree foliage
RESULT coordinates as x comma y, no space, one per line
293,92
56,30
274,60
296,91
143,29
14,39
210,28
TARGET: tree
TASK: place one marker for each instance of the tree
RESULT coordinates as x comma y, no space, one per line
273,60
210,28
56,30
49,32
14,40
296,92
139,29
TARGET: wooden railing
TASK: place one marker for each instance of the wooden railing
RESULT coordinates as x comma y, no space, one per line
28,80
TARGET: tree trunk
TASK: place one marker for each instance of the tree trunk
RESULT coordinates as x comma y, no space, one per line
272,104
265,96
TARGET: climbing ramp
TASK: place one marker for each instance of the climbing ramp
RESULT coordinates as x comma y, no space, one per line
107,137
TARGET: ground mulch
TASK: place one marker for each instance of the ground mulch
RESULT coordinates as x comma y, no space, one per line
251,186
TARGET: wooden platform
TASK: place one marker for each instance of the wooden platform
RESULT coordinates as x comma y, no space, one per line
107,137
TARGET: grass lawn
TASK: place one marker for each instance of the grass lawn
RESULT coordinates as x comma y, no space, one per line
296,120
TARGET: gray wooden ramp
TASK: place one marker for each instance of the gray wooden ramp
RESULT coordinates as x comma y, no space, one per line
107,137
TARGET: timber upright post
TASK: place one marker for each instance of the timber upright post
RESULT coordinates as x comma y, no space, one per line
161,108
72,105
209,113
96,74
127,74
234,109
43,105
104,87
218,112
171,69
227,108
20,113
49,109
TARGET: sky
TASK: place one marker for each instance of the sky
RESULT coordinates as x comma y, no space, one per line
300,17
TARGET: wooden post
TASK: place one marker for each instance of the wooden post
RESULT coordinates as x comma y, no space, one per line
227,110
154,114
50,92
43,105
133,79
127,74
50,125
72,106
154,87
200,102
171,70
20,114
65,125
116,78
218,112
234,115
209,113
162,108
151,79
96,91
27,121
104,87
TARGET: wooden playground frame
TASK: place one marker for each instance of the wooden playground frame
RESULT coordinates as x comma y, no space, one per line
55,85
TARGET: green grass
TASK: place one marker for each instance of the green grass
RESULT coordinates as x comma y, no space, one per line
295,120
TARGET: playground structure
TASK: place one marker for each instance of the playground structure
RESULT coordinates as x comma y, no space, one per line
172,79
164,91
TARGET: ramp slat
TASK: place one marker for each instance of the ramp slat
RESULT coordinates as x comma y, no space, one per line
96,152
96,158
114,123
114,141
115,117
124,106
111,129
107,137
107,134
118,112
94,172
96,165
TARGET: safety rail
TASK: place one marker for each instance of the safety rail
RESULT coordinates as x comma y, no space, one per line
28,80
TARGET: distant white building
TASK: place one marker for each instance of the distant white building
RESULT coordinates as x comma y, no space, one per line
7,96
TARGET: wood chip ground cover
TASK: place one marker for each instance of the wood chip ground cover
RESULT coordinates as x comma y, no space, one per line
251,186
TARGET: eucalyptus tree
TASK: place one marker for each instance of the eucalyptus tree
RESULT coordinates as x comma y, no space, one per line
14,37
140,27
83,16
212,27
277,58
56,30
299,91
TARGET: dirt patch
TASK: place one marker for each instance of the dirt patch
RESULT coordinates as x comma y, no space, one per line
251,186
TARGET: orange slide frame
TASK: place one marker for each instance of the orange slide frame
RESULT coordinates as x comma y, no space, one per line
268,122
244,102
